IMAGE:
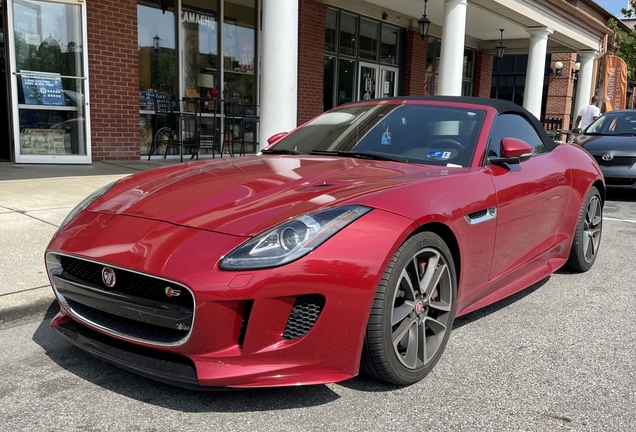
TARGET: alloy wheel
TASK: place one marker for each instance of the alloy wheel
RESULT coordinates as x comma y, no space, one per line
422,304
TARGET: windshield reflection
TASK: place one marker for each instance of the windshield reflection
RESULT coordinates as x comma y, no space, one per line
417,133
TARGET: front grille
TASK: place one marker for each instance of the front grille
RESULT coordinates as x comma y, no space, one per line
613,181
616,161
303,316
125,326
138,307
127,282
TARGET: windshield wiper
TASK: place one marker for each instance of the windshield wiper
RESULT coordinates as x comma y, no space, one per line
360,155
282,151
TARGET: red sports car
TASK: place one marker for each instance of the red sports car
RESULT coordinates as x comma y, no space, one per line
349,244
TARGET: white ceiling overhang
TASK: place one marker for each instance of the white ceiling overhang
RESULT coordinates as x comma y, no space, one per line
574,30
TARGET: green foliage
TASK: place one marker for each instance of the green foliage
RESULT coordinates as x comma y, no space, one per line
626,44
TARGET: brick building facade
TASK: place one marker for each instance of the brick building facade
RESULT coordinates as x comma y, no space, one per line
114,66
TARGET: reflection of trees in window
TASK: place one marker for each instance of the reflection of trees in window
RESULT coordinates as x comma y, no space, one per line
47,57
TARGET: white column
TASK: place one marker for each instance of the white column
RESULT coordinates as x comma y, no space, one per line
584,82
451,61
279,74
533,91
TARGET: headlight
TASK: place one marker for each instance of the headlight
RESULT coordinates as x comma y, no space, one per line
85,203
291,240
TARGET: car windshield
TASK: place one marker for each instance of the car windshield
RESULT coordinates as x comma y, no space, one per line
613,123
419,133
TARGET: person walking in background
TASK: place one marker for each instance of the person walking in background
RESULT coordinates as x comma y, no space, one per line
588,114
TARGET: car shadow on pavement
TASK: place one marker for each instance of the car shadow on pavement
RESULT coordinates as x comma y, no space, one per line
621,195
364,383
112,378
495,307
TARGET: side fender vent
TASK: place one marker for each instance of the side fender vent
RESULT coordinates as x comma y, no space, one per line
481,216
303,316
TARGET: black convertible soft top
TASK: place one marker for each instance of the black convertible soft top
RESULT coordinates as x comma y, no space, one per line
502,106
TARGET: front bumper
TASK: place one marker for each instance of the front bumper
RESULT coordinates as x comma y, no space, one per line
620,172
240,334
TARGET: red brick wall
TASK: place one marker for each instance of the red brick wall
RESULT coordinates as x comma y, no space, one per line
311,58
561,89
414,64
114,83
483,74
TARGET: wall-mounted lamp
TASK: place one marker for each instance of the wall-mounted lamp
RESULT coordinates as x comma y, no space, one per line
164,4
156,43
423,23
385,16
575,70
501,49
558,67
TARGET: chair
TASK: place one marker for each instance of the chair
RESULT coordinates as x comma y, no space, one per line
210,129
186,132
163,123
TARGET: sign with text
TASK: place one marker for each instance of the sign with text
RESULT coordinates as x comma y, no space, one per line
615,83
42,89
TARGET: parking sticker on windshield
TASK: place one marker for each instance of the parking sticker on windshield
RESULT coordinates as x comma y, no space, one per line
439,154
386,137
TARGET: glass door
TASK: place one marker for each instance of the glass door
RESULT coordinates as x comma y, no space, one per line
367,78
49,86
389,86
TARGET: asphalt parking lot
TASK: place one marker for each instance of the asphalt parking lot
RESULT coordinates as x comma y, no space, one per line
560,355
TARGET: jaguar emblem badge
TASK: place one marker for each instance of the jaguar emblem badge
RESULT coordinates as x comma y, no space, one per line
172,292
108,277
607,157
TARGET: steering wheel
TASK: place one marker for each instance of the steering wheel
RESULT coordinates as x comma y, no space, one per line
444,143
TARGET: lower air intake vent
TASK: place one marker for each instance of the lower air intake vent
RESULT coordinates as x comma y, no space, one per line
303,316
246,318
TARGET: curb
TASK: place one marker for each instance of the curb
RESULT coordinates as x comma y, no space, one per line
39,309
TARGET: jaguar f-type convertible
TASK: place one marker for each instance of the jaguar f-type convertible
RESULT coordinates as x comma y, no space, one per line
349,244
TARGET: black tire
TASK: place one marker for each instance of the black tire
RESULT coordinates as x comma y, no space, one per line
587,237
401,318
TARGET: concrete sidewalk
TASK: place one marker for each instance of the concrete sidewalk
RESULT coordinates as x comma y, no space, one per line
34,199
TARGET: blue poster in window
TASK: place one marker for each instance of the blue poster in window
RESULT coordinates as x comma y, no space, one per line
43,89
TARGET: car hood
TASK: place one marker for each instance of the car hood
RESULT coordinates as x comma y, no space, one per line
602,143
245,196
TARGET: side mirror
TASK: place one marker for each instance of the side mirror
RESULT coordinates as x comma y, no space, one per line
513,151
274,138
576,131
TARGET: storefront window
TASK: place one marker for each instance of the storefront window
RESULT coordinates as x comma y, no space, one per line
199,22
156,42
432,68
50,78
361,58
389,45
238,50
346,80
331,25
348,31
369,39
432,65
509,79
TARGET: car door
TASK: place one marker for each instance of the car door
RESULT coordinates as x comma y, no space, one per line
531,198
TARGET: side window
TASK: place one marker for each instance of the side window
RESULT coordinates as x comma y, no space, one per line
514,126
